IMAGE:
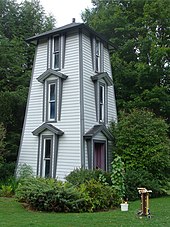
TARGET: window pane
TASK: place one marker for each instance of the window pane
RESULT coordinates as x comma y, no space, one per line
101,94
56,60
52,92
47,168
52,110
97,63
101,112
97,48
47,148
56,43
101,102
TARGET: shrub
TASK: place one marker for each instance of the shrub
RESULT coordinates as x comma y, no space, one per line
117,176
80,176
136,178
6,191
49,195
6,171
98,196
24,171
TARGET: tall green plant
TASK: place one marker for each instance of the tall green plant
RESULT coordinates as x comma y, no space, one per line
117,176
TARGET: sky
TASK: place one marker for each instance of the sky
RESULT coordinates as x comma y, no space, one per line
65,10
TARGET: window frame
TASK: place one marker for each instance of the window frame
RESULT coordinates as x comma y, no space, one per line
49,102
102,104
97,55
43,159
56,52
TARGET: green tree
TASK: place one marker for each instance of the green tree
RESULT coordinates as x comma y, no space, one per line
17,22
139,31
2,144
142,142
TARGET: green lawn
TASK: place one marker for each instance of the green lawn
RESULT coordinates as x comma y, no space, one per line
13,214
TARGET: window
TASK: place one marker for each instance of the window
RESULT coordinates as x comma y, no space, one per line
56,52
51,100
97,56
101,102
46,156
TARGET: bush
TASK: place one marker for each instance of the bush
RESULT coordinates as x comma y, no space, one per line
117,176
24,171
141,178
8,187
98,196
49,195
6,171
80,176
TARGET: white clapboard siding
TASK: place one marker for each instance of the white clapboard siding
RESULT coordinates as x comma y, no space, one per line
88,85
69,144
33,117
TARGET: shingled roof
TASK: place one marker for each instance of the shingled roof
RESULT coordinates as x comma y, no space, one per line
65,29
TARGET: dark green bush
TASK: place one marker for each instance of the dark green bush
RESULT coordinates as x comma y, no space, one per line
98,196
49,195
52,195
6,170
8,187
80,176
141,178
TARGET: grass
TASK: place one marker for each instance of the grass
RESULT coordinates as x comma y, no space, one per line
12,214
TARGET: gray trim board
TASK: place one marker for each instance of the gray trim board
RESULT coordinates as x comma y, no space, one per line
50,72
89,153
96,98
92,51
46,126
43,112
55,155
82,142
60,98
48,54
51,50
106,105
96,129
101,58
38,156
105,76
63,50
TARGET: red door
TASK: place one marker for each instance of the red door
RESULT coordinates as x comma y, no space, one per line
99,156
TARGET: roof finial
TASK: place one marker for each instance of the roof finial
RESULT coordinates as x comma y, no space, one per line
73,20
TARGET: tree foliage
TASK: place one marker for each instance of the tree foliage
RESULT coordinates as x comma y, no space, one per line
17,22
142,142
139,31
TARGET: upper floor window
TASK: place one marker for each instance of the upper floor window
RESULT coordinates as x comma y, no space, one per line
51,100
101,102
97,56
56,52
